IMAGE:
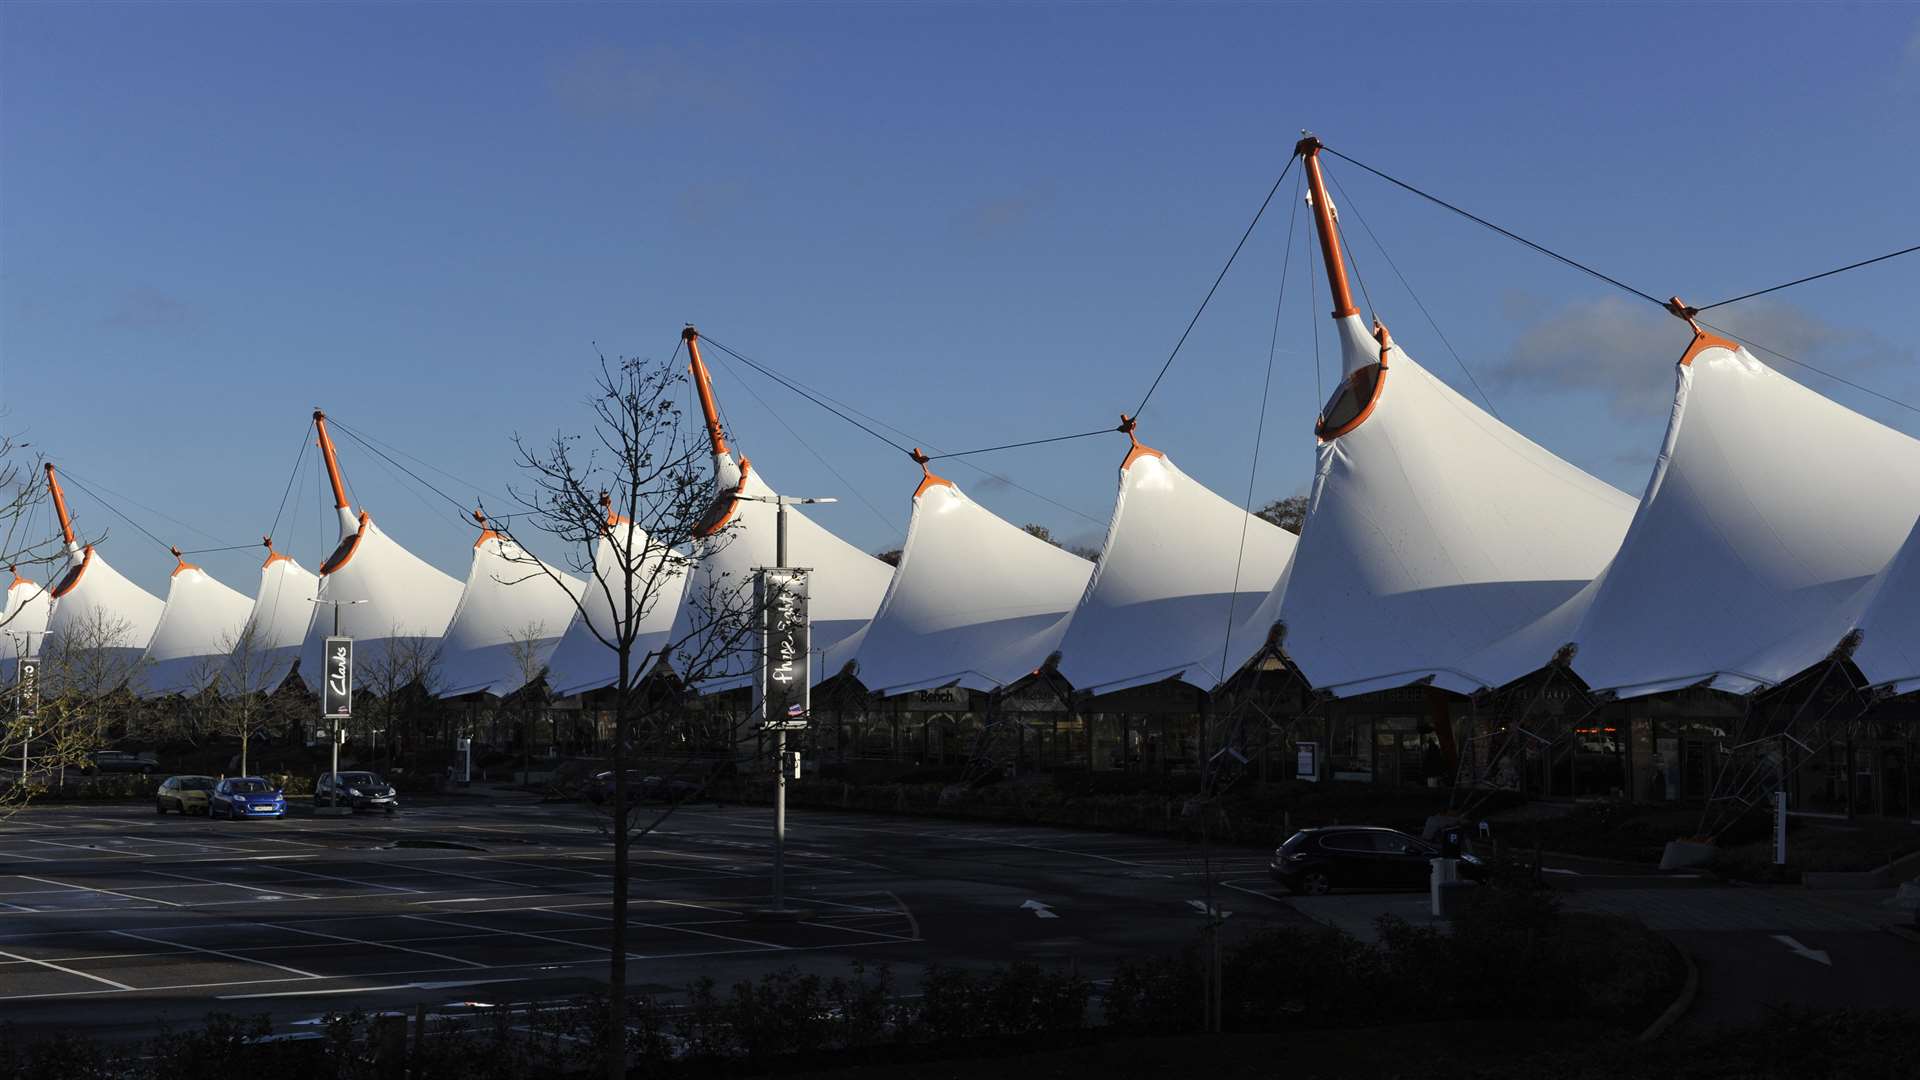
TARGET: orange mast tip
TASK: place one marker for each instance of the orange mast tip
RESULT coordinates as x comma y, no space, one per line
332,462
1309,150
928,478
703,384
1139,449
60,506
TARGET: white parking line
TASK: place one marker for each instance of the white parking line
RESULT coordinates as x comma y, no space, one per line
375,944
23,855
103,892
90,848
213,952
526,934
349,881
256,890
67,970
667,926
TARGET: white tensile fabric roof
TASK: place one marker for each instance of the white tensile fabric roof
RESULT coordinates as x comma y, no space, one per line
96,608
403,597
23,623
581,660
1164,597
1433,532
282,611
510,605
198,629
976,601
846,584
1889,651
1770,509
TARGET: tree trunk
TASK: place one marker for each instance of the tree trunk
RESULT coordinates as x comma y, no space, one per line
617,962
243,748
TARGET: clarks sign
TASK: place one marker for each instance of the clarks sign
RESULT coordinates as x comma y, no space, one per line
780,602
336,691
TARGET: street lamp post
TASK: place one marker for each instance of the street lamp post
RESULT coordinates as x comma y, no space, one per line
779,905
333,736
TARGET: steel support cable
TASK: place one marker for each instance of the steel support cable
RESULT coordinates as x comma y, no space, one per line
292,476
1140,408
187,525
1810,277
803,393
1017,445
821,458
1817,371
76,482
818,397
1542,249
465,511
1259,433
1417,302
367,438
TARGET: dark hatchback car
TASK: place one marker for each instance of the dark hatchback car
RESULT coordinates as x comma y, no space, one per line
643,787
1313,861
359,790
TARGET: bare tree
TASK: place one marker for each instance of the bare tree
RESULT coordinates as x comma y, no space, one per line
238,680
1289,513
401,672
528,648
631,500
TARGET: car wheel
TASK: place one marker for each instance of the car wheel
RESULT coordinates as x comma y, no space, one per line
1314,883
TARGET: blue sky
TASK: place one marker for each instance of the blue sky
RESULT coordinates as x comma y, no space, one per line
980,222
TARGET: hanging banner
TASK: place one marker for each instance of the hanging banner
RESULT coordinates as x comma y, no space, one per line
781,693
29,689
336,683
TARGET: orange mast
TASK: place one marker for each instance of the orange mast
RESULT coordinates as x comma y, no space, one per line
348,523
60,507
1309,151
703,383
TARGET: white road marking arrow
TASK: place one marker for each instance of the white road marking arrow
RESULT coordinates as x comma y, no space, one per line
1816,955
1200,906
1039,909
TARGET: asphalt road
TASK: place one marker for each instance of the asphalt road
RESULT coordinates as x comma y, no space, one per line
113,919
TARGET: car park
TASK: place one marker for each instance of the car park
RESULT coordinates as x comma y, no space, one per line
184,794
239,797
359,790
122,761
1315,861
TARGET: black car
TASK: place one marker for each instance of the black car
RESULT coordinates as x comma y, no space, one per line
360,790
106,761
1313,861
643,787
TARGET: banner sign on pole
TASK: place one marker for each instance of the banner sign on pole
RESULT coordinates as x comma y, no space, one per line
29,689
336,692
780,607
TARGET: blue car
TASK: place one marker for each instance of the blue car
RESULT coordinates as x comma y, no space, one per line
244,797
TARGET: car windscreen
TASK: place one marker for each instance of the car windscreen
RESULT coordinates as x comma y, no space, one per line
359,778
249,787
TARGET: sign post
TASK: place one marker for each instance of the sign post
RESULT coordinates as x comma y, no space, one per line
782,696
336,704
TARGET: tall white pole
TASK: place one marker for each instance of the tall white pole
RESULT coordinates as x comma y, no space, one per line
779,741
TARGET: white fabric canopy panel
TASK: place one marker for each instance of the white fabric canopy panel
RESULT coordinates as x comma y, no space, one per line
1769,512
583,659
1889,651
198,629
1180,568
845,586
512,613
29,602
976,601
277,624
382,593
1434,535
373,591
100,624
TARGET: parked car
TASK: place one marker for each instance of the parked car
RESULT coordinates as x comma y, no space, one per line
643,787
1313,861
360,790
126,761
184,794
239,797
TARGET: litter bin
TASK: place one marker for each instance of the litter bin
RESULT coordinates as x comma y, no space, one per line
1446,888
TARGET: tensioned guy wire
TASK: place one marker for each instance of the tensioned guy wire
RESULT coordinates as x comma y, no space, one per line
1140,408
1810,277
1817,371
